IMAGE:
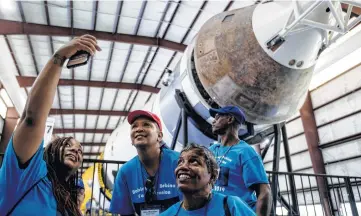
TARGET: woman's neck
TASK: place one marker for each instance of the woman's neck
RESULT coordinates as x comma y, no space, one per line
149,157
193,201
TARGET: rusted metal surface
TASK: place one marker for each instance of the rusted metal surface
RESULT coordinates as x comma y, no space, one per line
13,27
28,81
312,139
234,69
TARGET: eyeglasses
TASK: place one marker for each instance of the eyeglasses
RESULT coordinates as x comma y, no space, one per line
218,115
150,191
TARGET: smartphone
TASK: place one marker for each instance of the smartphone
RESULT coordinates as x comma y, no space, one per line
78,59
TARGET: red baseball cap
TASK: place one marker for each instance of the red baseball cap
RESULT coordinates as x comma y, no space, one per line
132,116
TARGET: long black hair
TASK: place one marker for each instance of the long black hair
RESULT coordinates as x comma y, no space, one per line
65,192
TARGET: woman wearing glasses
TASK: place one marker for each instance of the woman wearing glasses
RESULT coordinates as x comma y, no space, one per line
196,174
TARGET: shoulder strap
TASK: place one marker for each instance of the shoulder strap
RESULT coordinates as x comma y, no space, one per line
24,195
225,206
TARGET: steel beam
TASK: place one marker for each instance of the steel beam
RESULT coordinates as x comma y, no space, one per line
311,133
201,9
87,112
13,27
185,127
91,153
77,130
275,166
291,178
92,144
25,81
177,130
355,10
164,34
266,148
229,5
312,139
351,197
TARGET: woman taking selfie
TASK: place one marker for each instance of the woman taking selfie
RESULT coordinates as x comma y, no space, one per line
196,174
34,181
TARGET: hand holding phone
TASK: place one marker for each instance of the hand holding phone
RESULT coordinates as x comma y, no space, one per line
78,59
78,50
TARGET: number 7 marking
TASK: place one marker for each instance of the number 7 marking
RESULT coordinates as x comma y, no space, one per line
49,128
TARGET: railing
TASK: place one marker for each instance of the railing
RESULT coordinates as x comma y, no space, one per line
342,197
297,193
303,195
104,185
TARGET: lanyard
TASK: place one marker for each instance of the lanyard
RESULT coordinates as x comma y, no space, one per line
225,154
206,209
157,173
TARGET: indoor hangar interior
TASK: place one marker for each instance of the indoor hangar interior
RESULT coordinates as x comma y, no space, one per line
296,75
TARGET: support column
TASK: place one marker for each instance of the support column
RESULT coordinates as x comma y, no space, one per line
177,129
311,134
275,167
185,127
291,178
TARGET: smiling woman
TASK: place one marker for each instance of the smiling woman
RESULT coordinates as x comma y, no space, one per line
143,185
34,181
196,174
63,157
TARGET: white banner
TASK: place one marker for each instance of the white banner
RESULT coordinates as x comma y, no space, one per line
48,130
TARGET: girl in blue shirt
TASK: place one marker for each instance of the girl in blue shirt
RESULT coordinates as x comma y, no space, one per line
34,181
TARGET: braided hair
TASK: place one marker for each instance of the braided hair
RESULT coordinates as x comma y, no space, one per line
65,192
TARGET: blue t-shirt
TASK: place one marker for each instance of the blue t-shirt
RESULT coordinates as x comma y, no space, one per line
14,182
215,207
129,188
240,168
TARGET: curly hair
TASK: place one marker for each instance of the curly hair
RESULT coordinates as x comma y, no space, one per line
65,192
201,151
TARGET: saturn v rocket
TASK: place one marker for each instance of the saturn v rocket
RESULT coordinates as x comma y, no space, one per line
260,58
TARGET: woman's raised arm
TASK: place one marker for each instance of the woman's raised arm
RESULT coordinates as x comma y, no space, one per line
31,127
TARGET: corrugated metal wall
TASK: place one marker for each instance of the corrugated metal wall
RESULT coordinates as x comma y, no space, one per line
337,109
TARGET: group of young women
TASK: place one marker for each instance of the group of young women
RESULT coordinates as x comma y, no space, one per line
42,181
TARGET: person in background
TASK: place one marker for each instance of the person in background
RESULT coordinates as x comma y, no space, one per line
80,192
242,172
92,206
196,173
143,185
32,179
